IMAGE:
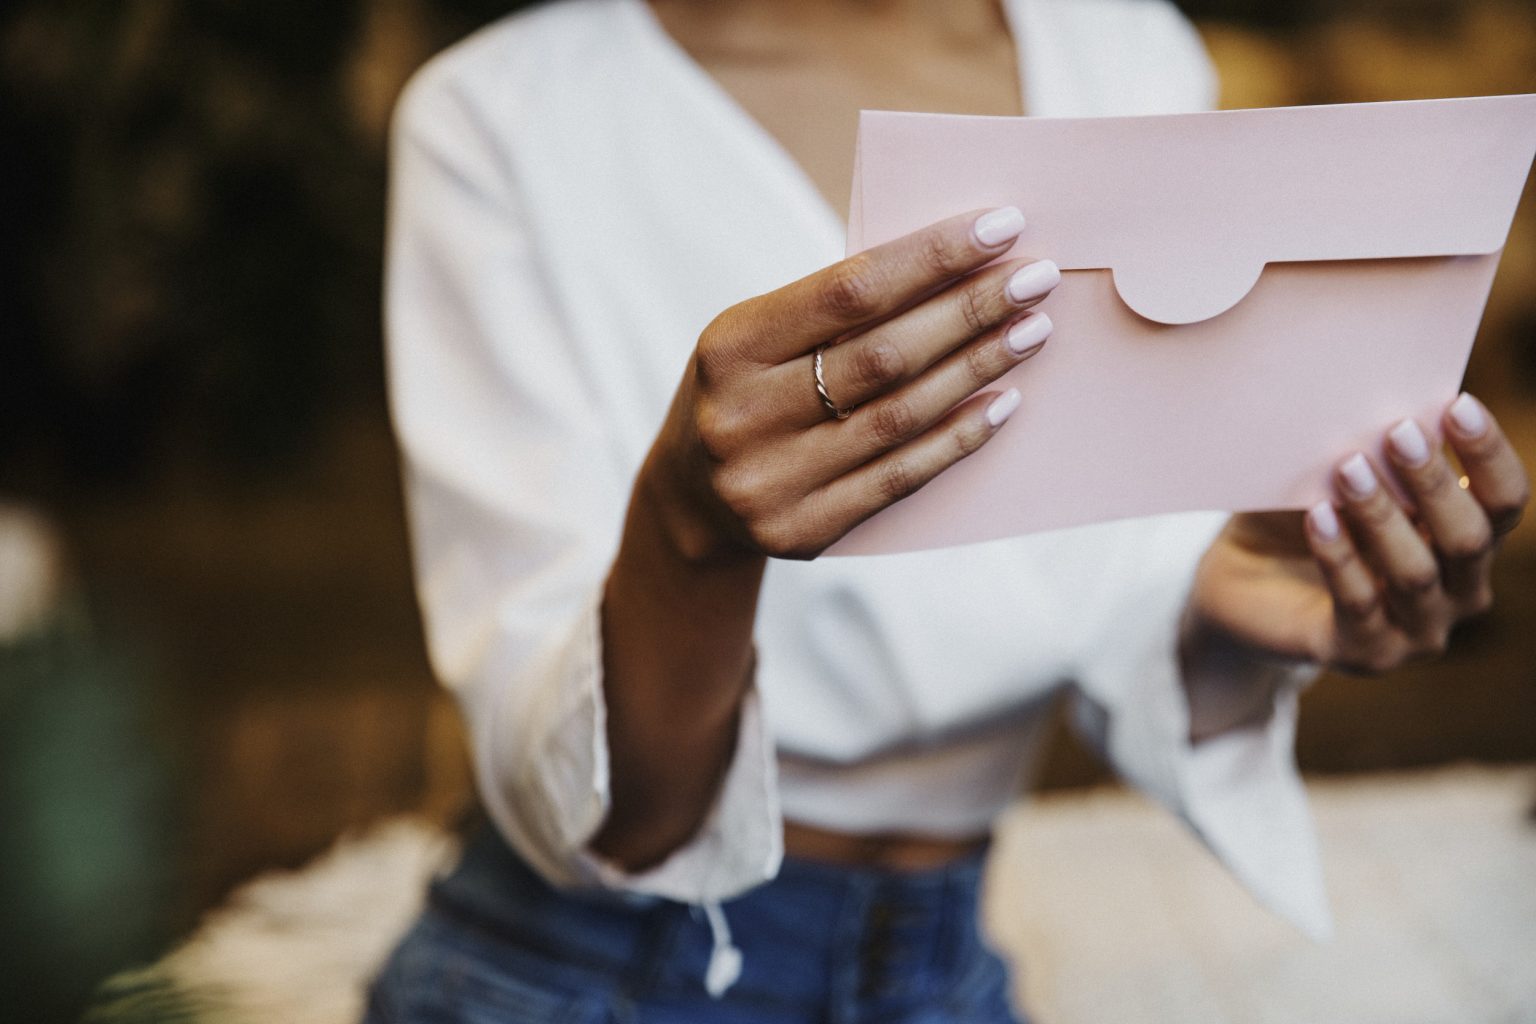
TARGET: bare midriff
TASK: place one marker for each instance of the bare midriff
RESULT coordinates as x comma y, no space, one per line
899,851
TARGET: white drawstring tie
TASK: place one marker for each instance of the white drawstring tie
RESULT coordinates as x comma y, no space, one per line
725,959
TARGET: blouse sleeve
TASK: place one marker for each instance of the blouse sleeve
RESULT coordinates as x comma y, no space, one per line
515,503
1240,791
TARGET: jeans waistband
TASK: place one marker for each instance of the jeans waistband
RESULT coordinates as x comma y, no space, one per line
812,927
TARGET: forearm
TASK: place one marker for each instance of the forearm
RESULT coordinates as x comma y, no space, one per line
677,659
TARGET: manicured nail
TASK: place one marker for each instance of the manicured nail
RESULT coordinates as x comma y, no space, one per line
1359,479
1033,280
1469,416
1409,443
999,226
1324,520
1029,334
1002,407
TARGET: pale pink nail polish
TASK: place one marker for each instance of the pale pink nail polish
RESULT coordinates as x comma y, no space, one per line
998,226
1029,333
1359,478
1324,520
1468,416
1003,406
1033,280
1410,443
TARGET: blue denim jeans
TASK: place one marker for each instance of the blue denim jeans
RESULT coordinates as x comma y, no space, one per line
820,943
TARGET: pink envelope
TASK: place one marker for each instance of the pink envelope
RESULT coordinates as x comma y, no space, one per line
1247,296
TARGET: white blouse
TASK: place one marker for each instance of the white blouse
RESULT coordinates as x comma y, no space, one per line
573,199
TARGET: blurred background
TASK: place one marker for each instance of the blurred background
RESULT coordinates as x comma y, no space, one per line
210,661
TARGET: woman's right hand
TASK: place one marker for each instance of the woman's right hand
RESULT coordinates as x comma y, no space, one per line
750,460
749,463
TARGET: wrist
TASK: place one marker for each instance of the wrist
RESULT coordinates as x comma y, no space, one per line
1228,685
705,591
664,504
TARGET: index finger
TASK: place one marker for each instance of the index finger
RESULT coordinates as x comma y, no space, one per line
869,286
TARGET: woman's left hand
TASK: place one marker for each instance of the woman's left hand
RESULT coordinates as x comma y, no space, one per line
1367,586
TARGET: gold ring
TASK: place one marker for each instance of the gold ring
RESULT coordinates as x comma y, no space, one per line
821,385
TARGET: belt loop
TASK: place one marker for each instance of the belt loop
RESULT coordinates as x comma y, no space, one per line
961,924
950,927
846,973
655,945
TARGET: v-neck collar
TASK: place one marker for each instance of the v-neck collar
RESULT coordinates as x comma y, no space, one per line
759,139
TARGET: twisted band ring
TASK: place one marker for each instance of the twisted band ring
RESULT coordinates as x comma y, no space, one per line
821,385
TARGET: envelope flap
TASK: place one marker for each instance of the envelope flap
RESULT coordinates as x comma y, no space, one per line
1186,209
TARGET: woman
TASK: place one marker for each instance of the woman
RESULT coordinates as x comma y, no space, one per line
724,781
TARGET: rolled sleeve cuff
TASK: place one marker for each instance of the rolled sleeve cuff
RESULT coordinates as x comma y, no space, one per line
740,844
560,785
1242,794
1240,791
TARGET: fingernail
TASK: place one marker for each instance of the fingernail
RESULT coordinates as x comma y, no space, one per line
1002,407
998,226
1359,479
1033,280
1409,443
1324,520
1469,416
1029,334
